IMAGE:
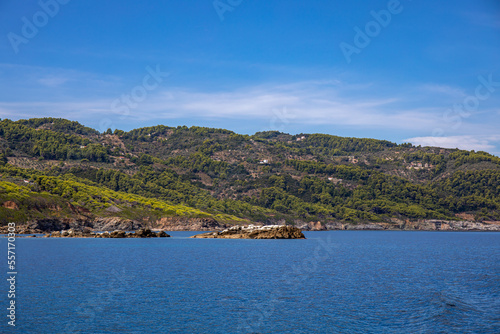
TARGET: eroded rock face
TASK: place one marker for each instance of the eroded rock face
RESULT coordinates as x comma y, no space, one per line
189,224
10,205
59,224
316,226
449,225
83,224
407,225
116,223
255,232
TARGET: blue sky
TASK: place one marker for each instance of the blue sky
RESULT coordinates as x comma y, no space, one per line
426,72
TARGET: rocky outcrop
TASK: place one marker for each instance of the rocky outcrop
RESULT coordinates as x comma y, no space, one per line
23,229
189,224
255,232
116,223
113,209
441,225
358,227
142,233
80,224
69,234
10,205
407,225
59,224
316,226
147,233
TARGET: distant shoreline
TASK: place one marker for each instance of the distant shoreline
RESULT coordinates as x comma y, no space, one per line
76,228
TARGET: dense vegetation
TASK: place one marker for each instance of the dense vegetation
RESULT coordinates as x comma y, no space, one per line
167,171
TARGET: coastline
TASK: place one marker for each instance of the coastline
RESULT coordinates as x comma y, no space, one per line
420,225
92,227
85,229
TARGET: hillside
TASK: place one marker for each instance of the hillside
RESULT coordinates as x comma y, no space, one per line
55,167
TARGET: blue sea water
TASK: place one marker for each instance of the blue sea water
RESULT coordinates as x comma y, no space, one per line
332,282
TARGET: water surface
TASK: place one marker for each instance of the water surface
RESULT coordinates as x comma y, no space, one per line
332,282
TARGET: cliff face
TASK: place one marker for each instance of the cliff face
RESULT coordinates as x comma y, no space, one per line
116,223
59,224
419,225
209,224
189,224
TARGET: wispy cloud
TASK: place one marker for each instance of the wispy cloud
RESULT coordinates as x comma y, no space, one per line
52,81
414,110
50,84
311,102
466,142
443,90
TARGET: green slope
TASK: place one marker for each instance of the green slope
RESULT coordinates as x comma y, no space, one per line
268,177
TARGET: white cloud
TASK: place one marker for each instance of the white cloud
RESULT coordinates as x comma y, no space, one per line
308,103
416,110
465,142
52,81
446,90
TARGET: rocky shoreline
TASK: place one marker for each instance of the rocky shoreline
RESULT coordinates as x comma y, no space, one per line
142,233
255,232
116,223
399,225
81,226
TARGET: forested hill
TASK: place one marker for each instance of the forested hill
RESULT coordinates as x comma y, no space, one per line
59,168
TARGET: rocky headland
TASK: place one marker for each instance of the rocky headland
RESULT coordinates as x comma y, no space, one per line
142,233
189,224
255,232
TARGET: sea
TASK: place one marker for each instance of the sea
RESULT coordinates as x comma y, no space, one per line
331,282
